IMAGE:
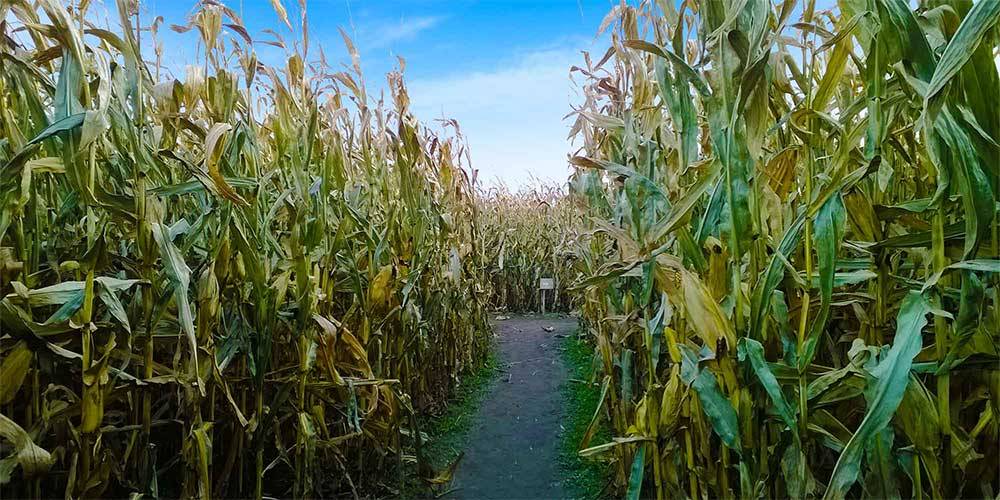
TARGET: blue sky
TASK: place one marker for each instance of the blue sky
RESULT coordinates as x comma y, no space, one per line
501,68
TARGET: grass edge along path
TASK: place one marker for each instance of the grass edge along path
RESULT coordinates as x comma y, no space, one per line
447,432
583,477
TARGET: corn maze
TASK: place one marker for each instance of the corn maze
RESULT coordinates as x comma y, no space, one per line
781,236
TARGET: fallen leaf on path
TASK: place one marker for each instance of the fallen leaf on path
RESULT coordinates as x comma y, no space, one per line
446,475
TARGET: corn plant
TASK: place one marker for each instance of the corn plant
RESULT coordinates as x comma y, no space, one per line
790,274
249,281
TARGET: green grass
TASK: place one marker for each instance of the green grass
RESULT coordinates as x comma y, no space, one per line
449,430
583,478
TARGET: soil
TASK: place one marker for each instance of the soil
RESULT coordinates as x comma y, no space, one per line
513,449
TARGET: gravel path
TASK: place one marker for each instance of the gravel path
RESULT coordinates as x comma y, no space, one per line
513,446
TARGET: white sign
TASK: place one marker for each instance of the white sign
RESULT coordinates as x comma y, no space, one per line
546,284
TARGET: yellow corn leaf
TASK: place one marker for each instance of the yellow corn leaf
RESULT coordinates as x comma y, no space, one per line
670,403
378,291
13,370
358,351
32,458
214,144
704,313
282,13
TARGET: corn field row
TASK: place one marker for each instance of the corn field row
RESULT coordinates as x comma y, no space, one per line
790,272
529,235
781,236
246,282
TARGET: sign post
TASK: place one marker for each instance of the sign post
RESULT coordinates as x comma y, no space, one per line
543,285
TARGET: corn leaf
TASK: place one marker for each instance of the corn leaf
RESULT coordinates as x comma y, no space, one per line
886,388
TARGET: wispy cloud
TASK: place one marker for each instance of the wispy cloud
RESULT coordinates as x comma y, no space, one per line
512,115
389,33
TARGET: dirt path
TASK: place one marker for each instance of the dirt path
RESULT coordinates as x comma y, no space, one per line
513,446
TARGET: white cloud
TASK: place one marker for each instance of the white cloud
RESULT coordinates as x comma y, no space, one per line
512,115
406,29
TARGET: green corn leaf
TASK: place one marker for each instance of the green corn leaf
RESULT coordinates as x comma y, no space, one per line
595,419
680,65
717,408
635,477
68,123
180,274
829,227
918,418
676,93
753,351
982,265
772,275
621,171
970,308
880,481
962,46
680,211
732,150
795,470
886,389
709,223
904,38
962,160
70,77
